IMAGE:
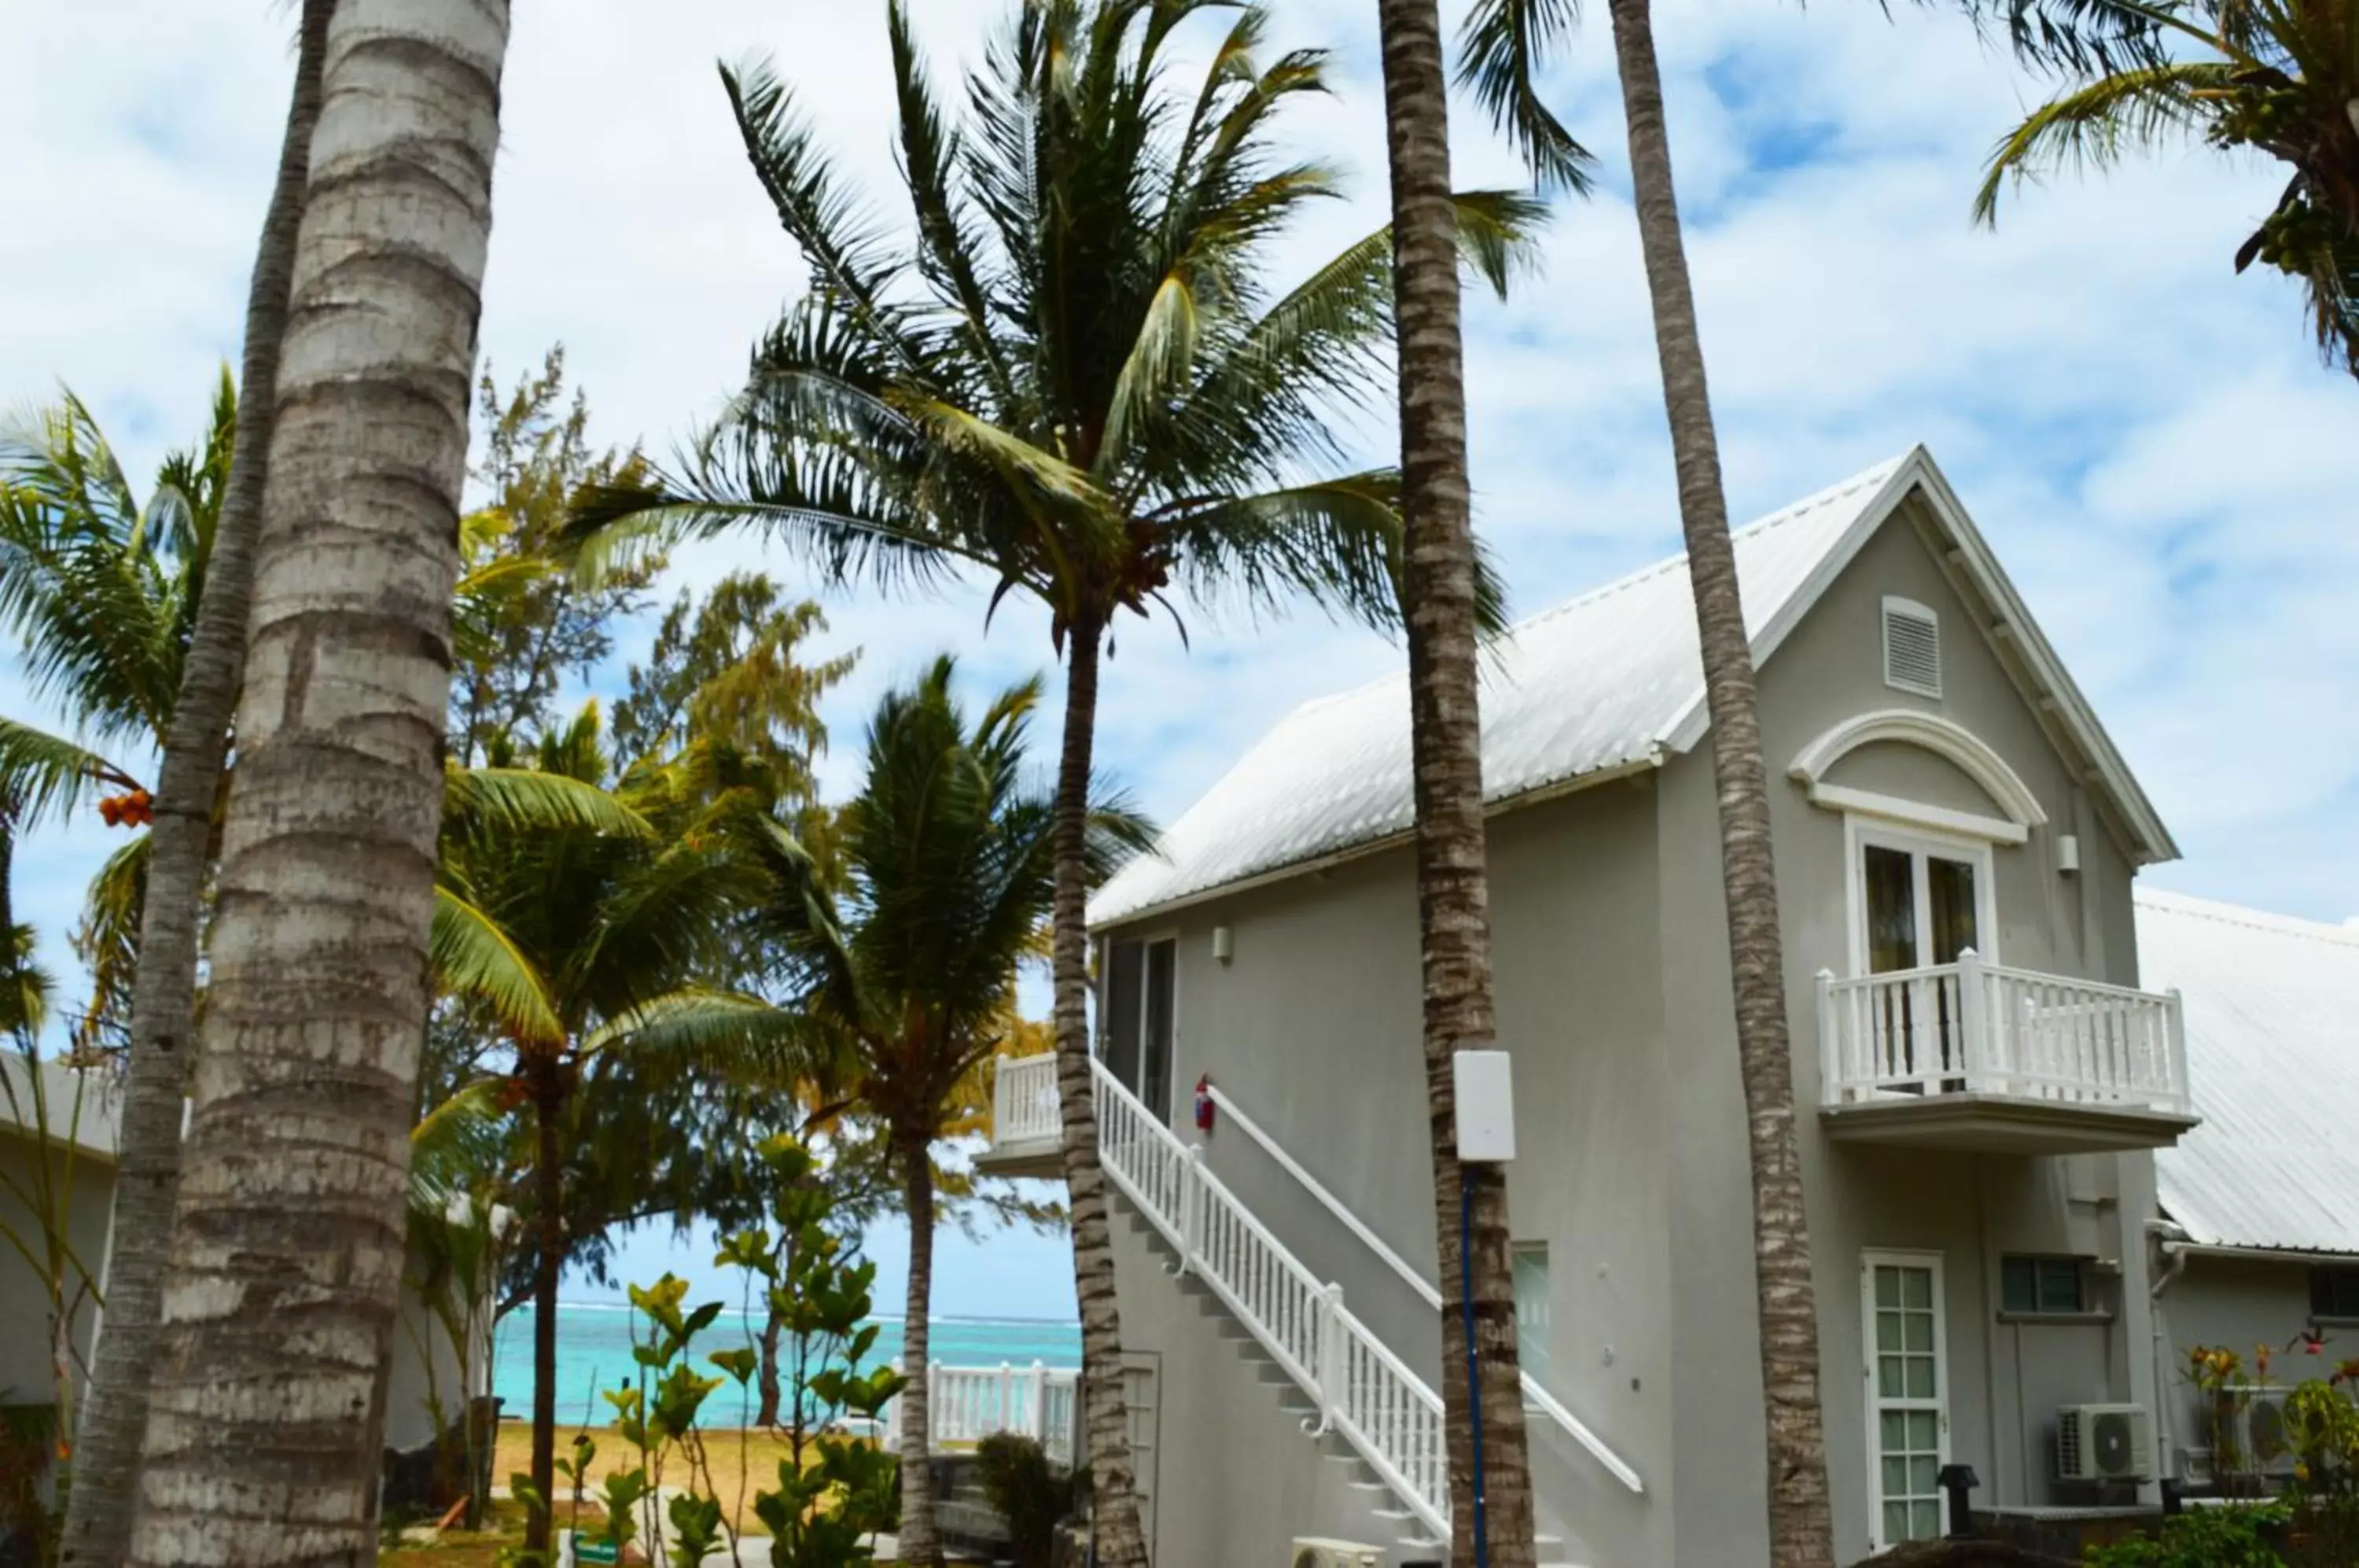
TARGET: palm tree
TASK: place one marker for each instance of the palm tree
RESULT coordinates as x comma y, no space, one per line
951,861
163,1005
1483,1410
104,594
1073,380
581,941
1510,37
279,1302
2280,78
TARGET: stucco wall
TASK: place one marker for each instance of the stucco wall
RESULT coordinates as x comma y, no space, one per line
2007,1379
24,1321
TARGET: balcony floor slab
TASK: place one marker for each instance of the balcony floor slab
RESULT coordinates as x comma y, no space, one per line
2004,1124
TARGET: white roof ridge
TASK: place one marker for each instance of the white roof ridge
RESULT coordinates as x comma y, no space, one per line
2225,913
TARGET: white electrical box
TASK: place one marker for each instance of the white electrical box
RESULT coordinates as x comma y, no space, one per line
1486,1105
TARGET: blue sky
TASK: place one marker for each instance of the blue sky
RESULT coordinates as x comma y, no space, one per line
2153,451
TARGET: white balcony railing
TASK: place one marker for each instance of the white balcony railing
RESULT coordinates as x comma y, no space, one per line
968,1404
1024,1101
1972,1027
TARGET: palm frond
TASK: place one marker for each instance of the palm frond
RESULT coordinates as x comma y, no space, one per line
519,800
455,1145
474,959
42,773
1502,46
106,940
2092,124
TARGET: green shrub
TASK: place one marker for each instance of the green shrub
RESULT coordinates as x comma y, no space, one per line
1029,1495
2232,1537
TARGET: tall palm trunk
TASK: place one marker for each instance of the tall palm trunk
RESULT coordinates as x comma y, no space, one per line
1446,746
549,1197
1121,1541
266,1413
163,1001
1800,1529
919,1541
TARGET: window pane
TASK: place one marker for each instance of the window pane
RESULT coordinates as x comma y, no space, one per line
1887,1376
2018,1285
1924,1521
1533,1333
1921,1376
1896,1431
1919,1332
1125,965
1895,1523
2060,1285
1891,910
1950,887
1896,1477
1154,1066
1887,1331
1916,1288
1923,1426
1888,1286
1922,1468
2334,1292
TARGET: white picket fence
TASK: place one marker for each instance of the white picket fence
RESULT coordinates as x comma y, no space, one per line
968,1404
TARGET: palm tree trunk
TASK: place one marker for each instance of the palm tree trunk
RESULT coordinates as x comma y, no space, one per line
1121,1541
1446,745
919,1542
266,1411
163,1003
1799,1527
549,1197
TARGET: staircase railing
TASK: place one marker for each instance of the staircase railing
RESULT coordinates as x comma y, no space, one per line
1535,1395
1363,1392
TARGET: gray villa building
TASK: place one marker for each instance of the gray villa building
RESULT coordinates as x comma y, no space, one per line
1983,1076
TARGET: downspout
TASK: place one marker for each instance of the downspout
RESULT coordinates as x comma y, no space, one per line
2172,1243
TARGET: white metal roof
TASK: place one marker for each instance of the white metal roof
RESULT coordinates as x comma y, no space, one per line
1609,681
2272,1007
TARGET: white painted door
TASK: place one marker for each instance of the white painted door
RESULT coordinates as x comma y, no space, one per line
1907,1376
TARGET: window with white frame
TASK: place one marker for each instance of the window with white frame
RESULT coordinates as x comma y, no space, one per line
1918,899
1139,1026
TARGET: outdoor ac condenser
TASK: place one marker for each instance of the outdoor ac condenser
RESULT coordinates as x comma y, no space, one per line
1314,1553
2104,1442
2269,1448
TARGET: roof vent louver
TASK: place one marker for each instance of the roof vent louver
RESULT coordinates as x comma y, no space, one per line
1912,648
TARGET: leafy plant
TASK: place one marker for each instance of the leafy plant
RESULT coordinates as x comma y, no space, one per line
2236,1536
1029,1495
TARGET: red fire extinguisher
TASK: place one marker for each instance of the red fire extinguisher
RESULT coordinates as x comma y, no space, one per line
1204,1103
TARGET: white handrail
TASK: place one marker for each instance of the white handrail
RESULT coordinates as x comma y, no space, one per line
1534,1392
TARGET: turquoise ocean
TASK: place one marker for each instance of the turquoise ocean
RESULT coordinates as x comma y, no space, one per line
594,1352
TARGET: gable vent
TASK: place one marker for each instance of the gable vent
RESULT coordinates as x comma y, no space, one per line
1912,648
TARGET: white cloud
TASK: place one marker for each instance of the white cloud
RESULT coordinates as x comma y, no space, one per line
2158,459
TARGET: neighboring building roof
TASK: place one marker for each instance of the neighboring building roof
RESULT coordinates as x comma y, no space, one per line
83,1108
2272,1007
1609,682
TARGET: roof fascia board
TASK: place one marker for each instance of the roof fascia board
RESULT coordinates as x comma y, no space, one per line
1538,795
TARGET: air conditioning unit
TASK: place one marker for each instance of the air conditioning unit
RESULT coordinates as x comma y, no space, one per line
1314,1553
2261,1438
2104,1442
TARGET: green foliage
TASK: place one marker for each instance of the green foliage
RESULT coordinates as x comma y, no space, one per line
28,1438
834,1492
2237,1536
1074,373
1031,1498
2276,79
522,624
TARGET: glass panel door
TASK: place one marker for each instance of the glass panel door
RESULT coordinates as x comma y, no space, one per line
1907,1397
1156,1038
1532,1316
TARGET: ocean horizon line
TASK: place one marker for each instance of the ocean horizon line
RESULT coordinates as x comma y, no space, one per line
979,1320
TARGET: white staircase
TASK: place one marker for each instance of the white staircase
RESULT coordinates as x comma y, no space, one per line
1368,1409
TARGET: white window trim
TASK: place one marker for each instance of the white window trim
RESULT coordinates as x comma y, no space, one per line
1860,832
1873,1432
1965,750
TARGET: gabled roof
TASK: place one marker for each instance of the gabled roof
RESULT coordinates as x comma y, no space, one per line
2272,1007
1608,683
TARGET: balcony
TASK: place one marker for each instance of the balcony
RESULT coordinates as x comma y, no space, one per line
1980,1057
1026,1132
